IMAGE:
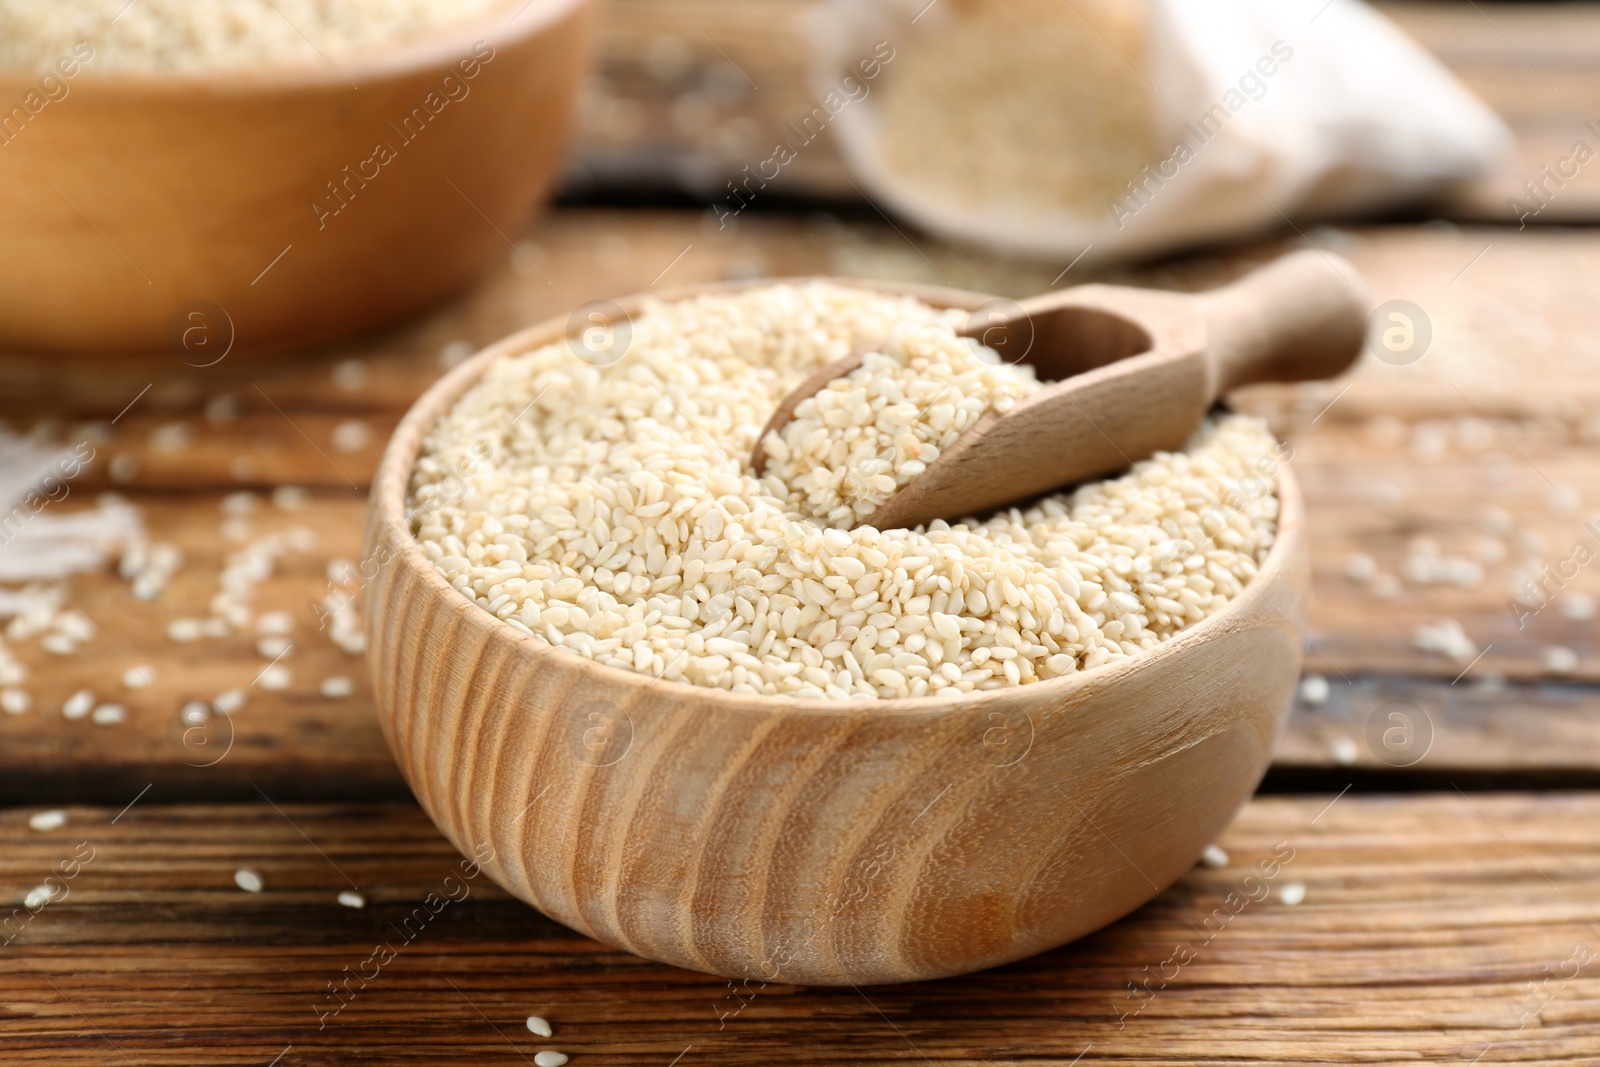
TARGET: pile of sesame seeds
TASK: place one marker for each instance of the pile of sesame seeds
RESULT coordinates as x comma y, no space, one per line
616,516
853,444
213,34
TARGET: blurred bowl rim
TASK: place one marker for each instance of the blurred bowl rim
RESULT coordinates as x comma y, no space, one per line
375,63
392,478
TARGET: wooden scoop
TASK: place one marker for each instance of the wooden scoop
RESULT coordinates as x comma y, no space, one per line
1133,372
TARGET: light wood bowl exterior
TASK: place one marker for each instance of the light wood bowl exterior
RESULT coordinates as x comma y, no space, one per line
138,196
809,841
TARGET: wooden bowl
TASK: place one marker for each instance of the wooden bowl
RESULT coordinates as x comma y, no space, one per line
188,213
813,841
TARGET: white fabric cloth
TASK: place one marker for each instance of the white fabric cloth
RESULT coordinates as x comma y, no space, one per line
1270,108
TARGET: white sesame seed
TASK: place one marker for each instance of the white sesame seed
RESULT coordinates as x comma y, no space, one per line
1577,607
337,688
454,353
183,631
221,408
352,435
538,1025
275,622
110,714
15,701
1559,659
58,644
273,647
276,678
45,821
79,704
1314,690
1214,856
229,701
1292,893
138,677
194,713
549,1058
239,505
122,468
170,437
289,498
38,897
352,900
1345,751
248,880
350,374
1360,567
244,468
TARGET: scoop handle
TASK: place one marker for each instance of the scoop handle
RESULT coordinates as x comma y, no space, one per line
1300,318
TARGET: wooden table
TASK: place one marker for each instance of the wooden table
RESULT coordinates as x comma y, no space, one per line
1452,874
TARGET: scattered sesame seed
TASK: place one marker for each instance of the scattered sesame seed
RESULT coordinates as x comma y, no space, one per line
549,1058
1345,751
122,468
58,644
276,678
289,498
183,631
1292,893
350,374
45,821
1447,638
1314,690
341,571
38,897
15,701
1360,567
337,688
1385,587
110,714
248,880
239,505
244,467
352,435
236,530
1559,659
138,677
222,408
454,353
354,900
275,622
1214,856
273,646
229,702
170,437
1564,500
78,704
1577,607
194,713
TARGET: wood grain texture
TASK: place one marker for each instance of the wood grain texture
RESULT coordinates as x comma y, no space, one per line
1435,928
1513,341
670,109
152,213
639,810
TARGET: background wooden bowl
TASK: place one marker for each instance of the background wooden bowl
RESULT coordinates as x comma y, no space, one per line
175,212
810,841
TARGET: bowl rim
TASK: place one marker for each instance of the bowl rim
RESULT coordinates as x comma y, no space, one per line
375,63
391,481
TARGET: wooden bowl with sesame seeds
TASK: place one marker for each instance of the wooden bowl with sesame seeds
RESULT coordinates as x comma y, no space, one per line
191,214
775,839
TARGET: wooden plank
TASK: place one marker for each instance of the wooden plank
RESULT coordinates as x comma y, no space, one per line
670,109
1444,928
1403,452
